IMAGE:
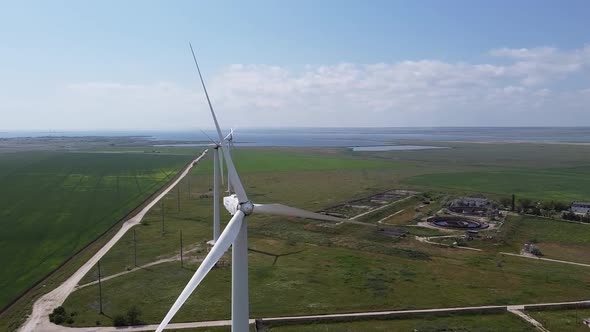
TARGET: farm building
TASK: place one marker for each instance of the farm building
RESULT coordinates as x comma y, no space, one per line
472,205
580,208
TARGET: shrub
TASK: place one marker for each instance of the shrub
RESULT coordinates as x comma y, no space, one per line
461,242
119,320
536,251
59,310
59,316
133,315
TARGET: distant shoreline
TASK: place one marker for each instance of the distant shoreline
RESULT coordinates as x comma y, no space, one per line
329,137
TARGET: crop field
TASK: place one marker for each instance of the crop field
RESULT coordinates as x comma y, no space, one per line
53,204
561,184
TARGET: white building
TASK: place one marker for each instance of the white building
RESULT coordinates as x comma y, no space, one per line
580,208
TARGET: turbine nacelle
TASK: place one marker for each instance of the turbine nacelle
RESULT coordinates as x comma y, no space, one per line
235,233
232,205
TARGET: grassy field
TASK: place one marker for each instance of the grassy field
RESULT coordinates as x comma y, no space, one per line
53,204
351,267
319,269
556,239
315,279
561,184
562,320
463,323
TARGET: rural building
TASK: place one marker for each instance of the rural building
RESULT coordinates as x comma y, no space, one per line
472,205
580,208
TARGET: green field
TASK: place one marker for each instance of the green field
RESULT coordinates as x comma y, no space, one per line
561,184
318,269
483,323
562,320
53,204
556,239
308,267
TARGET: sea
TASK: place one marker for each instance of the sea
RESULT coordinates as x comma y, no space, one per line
341,137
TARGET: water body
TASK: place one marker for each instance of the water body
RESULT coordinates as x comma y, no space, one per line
346,137
394,148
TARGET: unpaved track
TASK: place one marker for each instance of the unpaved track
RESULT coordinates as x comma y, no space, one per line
545,259
528,319
39,318
141,267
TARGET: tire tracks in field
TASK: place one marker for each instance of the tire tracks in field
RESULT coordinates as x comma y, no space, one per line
38,319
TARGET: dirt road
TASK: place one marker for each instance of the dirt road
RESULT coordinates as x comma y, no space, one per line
39,318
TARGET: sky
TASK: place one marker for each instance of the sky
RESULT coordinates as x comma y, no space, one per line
126,65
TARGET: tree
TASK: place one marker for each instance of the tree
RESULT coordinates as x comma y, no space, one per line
560,206
525,203
505,202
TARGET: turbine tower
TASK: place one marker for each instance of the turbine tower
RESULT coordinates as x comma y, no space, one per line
235,235
230,144
217,169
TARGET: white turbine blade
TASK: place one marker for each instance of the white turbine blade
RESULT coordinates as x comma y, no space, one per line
284,210
225,240
230,134
231,169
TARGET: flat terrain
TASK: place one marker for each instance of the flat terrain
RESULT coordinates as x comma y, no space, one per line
562,320
484,323
308,267
562,184
305,267
556,239
53,203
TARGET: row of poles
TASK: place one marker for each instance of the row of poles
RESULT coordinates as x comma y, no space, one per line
216,226
135,242
134,264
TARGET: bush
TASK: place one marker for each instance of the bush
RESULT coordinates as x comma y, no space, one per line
536,251
60,316
133,315
57,318
461,242
59,310
119,320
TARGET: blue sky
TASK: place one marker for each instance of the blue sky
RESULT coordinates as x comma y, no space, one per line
125,64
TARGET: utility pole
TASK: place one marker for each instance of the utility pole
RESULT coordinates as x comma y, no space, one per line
178,198
134,248
181,261
188,178
99,289
162,212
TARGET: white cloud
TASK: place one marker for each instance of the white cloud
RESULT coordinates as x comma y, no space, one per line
523,91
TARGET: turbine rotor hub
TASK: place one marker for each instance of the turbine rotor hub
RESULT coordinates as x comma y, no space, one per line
247,207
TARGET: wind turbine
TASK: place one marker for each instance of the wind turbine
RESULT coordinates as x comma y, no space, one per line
235,235
230,144
217,170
